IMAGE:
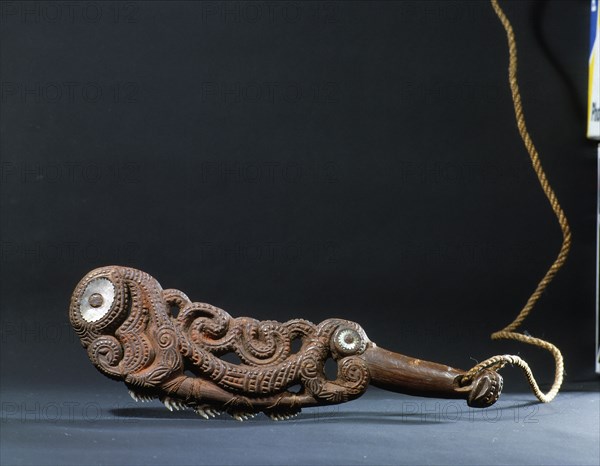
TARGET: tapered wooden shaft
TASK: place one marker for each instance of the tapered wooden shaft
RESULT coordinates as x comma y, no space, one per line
404,374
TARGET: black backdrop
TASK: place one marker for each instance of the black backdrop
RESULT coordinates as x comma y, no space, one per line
296,159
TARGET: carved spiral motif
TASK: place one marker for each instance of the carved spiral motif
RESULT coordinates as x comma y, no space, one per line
166,338
256,342
262,342
105,353
207,325
355,373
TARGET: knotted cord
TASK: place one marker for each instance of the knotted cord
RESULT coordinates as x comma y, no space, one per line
509,332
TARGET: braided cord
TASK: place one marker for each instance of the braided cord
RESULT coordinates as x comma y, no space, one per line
509,332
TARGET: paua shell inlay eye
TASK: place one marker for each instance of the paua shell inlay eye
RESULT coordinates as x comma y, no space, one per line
97,299
348,341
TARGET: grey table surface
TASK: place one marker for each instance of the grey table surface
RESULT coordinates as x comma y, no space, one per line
104,426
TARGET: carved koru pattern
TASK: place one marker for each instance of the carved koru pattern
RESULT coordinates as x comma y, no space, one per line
162,345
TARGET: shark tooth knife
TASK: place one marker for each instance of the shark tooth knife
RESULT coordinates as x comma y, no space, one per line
162,345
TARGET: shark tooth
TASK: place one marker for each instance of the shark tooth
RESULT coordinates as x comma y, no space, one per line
242,416
181,405
201,412
281,416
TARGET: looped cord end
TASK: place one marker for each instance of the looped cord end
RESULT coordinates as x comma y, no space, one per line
498,362
495,363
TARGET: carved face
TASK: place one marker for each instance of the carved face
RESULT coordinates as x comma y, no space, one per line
121,318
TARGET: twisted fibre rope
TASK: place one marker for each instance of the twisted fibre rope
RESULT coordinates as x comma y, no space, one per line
509,332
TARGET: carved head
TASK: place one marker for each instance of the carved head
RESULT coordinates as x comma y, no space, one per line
117,313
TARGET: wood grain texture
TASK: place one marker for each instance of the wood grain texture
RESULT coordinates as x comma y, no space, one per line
162,345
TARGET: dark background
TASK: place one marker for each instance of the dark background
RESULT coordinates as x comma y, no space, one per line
297,159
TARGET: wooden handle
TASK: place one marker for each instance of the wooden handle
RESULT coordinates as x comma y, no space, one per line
403,374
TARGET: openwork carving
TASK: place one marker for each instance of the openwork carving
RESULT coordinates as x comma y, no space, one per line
162,345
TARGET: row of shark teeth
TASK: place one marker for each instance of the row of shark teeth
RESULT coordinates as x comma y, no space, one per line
172,404
281,417
206,411
243,416
140,397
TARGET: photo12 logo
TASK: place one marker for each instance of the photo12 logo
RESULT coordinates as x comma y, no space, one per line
291,92
70,172
63,412
69,12
270,12
91,92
